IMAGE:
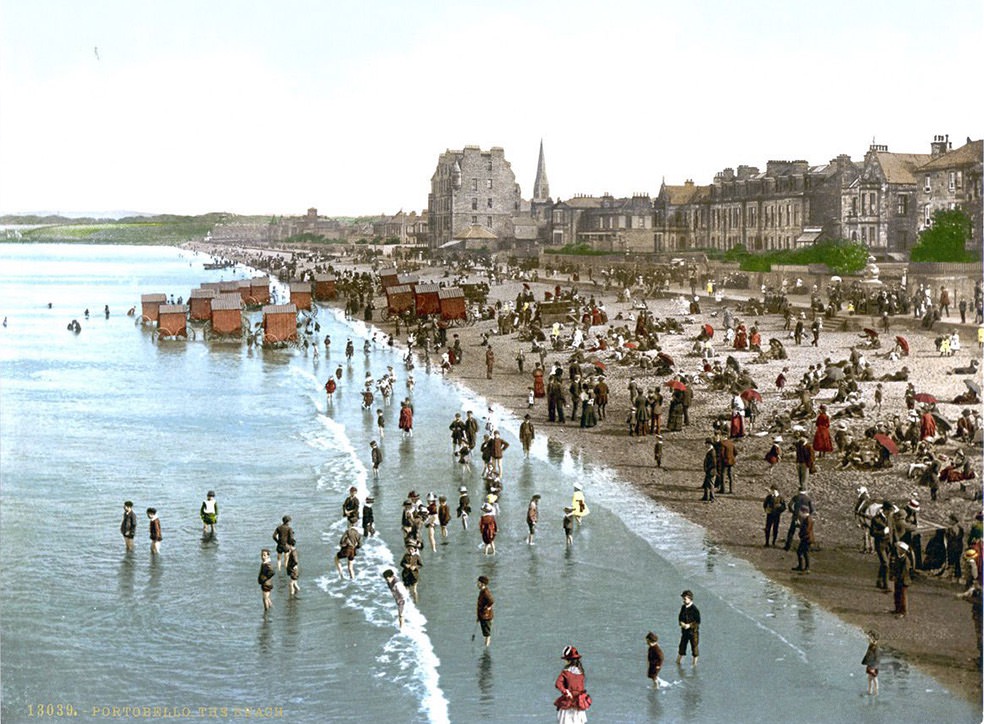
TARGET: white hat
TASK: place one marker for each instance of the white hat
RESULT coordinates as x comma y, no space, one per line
578,486
903,546
777,438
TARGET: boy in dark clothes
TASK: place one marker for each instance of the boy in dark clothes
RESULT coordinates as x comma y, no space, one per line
655,658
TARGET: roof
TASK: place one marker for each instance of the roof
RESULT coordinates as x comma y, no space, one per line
967,155
173,309
584,202
300,287
226,303
427,289
204,294
900,168
475,231
324,277
153,297
280,309
450,293
681,194
400,289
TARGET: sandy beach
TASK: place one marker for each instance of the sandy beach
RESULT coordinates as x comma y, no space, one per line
938,633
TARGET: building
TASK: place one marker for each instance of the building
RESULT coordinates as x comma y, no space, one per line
952,180
472,187
879,207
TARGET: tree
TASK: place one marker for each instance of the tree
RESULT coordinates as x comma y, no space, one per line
945,239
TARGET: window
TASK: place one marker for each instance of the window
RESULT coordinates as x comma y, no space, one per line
475,220
474,184
489,165
474,204
489,183
488,221
488,204
952,180
903,205
959,179
927,186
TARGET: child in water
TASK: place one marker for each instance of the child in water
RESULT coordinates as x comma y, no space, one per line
871,660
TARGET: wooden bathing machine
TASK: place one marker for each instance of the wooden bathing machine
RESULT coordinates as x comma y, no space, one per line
427,300
388,278
453,304
399,299
200,304
172,320
279,323
259,291
150,305
300,295
408,280
324,287
227,316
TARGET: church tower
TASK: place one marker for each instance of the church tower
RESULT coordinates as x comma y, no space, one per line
541,187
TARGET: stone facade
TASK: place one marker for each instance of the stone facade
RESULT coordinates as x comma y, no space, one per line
952,180
469,187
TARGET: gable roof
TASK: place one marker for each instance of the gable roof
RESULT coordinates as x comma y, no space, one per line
967,155
900,168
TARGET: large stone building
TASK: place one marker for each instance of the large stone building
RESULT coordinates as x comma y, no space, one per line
472,187
791,203
952,180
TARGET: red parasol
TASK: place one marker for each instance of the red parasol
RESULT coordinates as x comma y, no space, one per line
903,344
870,332
708,330
666,358
632,345
751,394
886,442
597,363
924,397
676,385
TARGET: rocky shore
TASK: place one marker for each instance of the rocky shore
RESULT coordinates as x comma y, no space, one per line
938,633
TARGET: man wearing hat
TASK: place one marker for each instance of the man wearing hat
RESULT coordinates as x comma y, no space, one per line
526,434
774,506
710,470
901,573
805,461
350,506
484,610
689,620
377,458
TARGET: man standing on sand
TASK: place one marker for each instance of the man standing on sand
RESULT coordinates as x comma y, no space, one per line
489,362
689,620
128,526
774,505
710,470
800,502
726,464
901,572
484,610
805,461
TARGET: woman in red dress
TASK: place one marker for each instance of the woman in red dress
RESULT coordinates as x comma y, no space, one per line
538,388
573,702
821,438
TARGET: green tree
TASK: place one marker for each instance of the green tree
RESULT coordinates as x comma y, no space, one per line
946,239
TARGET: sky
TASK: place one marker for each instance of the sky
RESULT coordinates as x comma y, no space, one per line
252,107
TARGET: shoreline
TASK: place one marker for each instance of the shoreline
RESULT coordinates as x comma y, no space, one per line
937,635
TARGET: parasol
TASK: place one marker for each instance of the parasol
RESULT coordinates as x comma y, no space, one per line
666,358
903,344
631,345
870,332
942,423
676,385
886,442
708,330
751,394
835,373
597,363
925,397
973,387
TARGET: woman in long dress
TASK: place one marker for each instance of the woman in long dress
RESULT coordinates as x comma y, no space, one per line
488,527
821,438
573,702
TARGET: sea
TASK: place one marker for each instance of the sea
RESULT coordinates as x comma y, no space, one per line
114,413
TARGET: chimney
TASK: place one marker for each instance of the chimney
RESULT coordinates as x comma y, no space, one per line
939,146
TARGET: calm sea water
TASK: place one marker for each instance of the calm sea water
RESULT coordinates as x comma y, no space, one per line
89,420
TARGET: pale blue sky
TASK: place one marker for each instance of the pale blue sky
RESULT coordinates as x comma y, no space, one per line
271,107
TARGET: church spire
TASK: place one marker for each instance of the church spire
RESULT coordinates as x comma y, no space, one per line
541,187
